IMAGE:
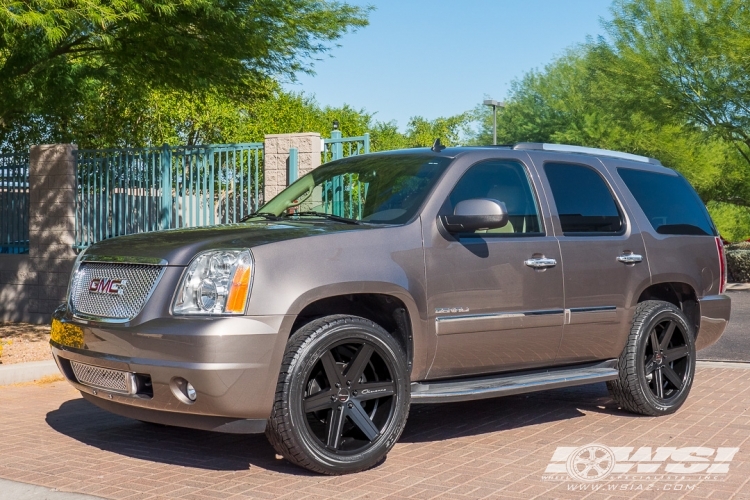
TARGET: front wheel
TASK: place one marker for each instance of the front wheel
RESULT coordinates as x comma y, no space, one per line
342,397
657,365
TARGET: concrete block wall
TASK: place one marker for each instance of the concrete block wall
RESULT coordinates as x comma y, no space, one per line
33,285
276,158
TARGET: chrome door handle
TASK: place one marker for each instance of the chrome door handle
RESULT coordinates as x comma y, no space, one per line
629,258
540,263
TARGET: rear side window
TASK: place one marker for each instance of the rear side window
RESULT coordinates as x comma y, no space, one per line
670,203
584,202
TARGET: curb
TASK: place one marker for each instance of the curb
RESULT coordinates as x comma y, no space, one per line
738,287
24,491
27,372
734,365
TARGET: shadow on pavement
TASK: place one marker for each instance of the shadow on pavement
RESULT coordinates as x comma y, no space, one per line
95,427
455,420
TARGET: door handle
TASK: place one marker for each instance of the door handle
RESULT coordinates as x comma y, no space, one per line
630,258
540,263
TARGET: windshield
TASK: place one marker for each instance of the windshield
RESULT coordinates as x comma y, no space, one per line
382,189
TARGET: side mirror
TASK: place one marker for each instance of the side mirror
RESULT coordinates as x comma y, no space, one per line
476,214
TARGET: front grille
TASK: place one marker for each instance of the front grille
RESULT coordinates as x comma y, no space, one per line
104,378
122,302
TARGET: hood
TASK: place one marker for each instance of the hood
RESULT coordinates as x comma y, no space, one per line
179,246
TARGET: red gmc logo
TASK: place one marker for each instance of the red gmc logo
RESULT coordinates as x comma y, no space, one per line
108,286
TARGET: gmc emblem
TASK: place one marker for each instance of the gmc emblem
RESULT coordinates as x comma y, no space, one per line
108,286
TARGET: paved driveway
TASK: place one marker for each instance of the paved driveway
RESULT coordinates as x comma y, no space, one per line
502,448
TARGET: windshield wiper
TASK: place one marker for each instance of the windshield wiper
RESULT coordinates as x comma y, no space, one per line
265,215
331,217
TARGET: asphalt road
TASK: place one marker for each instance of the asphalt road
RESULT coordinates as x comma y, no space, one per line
734,345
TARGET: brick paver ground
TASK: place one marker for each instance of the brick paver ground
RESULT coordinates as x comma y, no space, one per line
494,448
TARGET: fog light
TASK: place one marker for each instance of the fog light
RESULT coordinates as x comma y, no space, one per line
190,391
183,390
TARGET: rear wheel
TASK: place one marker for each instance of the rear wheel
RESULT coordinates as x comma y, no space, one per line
342,397
657,365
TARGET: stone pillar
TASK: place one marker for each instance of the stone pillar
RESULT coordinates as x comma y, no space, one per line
33,285
276,159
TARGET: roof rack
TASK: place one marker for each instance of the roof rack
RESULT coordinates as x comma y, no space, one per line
565,148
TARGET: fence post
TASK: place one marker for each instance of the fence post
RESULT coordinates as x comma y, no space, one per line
276,157
166,187
367,143
32,285
337,148
293,165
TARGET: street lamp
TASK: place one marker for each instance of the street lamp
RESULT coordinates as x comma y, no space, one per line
495,104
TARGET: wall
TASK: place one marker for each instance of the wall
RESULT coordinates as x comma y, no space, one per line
276,158
33,285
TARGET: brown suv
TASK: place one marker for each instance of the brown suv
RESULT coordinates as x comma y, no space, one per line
383,280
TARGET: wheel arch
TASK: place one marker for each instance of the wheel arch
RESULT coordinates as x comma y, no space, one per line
679,293
390,306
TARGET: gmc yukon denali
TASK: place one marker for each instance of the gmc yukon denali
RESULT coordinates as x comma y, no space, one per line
384,280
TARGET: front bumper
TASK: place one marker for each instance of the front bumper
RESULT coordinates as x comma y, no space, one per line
233,363
715,311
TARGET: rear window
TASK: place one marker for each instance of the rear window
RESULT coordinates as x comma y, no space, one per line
669,202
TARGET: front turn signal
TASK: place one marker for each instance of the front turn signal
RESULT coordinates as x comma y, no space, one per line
240,287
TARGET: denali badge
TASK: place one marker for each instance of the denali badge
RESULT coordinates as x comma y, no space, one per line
444,310
108,286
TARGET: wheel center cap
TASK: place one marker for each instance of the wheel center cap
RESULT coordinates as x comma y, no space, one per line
659,357
343,395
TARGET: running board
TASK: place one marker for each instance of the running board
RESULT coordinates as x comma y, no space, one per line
466,389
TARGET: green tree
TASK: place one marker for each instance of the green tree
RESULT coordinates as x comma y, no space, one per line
686,60
54,54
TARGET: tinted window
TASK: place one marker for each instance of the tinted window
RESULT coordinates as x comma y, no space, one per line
669,202
504,181
583,200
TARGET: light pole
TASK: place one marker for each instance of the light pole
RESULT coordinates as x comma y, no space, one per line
495,104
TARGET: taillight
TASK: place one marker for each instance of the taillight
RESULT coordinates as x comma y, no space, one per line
722,266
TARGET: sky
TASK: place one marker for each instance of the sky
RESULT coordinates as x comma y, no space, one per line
442,57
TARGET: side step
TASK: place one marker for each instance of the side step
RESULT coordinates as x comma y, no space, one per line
467,389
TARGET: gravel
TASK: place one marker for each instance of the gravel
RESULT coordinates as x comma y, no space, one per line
22,342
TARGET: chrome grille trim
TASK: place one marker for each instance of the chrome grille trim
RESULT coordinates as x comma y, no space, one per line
104,378
141,281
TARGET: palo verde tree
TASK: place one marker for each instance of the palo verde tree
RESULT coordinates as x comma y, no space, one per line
56,54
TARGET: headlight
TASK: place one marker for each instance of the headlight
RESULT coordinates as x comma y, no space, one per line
73,273
216,282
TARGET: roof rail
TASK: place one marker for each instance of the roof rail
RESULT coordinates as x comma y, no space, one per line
565,148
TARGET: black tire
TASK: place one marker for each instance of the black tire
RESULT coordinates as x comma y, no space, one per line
657,365
370,412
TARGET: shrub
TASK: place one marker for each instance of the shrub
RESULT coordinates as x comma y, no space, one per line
738,264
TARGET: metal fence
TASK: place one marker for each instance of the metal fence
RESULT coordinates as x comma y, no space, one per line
126,191
344,194
14,203
338,147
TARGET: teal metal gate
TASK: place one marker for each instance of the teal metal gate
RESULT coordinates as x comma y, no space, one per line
127,191
14,203
344,195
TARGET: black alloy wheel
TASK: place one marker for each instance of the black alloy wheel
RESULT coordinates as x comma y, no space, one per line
666,359
342,398
657,365
349,395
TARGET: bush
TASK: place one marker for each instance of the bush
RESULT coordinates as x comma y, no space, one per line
738,264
